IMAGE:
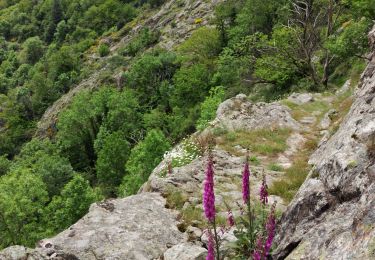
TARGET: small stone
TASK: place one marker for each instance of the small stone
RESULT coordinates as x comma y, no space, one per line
185,251
194,233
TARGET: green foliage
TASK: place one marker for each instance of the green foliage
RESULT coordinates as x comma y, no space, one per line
43,159
144,39
277,67
191,85
150,75
22,198
144,157
103,16
74,201
256,16
4,164
112,156
351,41
203,45
209,107
33,50
103,50
79,125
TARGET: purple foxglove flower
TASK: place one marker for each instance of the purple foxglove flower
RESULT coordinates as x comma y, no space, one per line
208,192
210,247
230,219
246,182
270,227
263,191
257,254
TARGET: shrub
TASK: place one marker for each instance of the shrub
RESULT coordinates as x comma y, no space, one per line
103,50
209,107
144,157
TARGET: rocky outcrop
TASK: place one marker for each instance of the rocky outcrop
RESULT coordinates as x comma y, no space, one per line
137,227
333,214
238,113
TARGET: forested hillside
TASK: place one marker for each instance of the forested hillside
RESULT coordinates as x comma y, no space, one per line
108,139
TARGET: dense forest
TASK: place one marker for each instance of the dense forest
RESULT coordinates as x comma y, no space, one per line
107,142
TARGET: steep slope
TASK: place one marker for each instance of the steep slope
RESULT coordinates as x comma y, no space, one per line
172,227
333,214
175,21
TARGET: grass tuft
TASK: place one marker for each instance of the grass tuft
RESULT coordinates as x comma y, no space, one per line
268,142
275,167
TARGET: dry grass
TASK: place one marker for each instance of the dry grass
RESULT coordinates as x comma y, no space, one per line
294,176
175,199
268,142
300,111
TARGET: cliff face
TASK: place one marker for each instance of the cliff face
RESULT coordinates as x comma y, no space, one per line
333,214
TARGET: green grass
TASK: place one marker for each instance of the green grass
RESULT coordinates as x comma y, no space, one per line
254,160
268,142
288,186
275,167
191,214
300,111
175,199
294,176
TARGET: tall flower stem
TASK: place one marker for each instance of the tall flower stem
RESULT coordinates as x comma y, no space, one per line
216,240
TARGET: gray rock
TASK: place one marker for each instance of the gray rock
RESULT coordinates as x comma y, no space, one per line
240,114
344,87
333,214
301,99
327,119
194,233
185,251
308,120
138,227
20,253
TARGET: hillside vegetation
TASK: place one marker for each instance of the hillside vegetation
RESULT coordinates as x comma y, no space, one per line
107,142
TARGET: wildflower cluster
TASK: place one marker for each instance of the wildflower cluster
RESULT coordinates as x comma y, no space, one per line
209,209
183,154
255,232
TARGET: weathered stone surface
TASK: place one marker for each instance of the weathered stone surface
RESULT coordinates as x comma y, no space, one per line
333,214
301,99
327,119
20,253
240,114
185,251
138,227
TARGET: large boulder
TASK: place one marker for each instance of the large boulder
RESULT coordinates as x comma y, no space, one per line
137,227
333,214
238,113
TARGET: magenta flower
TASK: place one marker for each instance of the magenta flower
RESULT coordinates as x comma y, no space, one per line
210,247
230,219
270,227
208,192
246,182
263,191
257,254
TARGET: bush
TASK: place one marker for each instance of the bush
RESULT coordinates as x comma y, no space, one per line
103,50
209,107
144,157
